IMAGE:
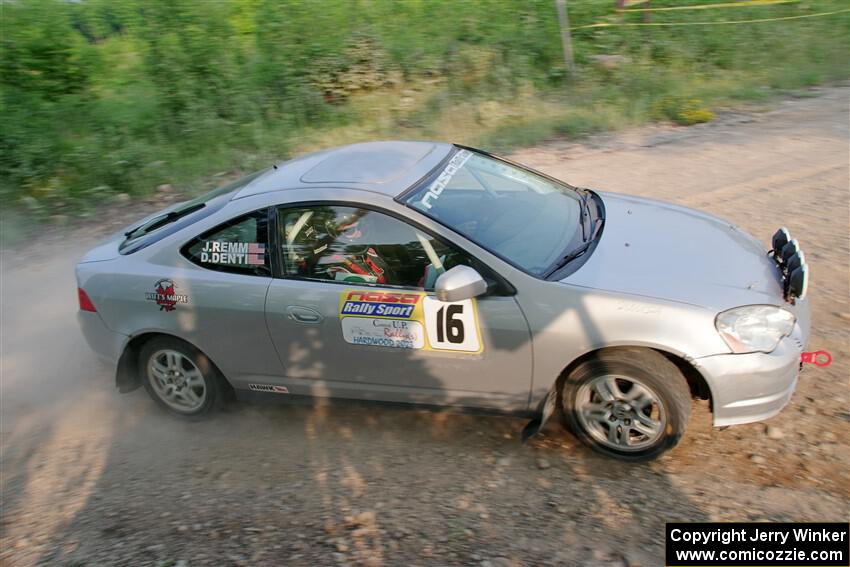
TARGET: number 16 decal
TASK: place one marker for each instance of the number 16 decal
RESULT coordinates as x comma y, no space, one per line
451,326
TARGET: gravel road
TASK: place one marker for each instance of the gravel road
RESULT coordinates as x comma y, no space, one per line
92,477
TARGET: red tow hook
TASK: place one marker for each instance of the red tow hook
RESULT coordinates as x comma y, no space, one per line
818,358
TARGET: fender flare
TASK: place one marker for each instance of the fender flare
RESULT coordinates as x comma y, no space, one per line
126,373
544,411
549,403
127,377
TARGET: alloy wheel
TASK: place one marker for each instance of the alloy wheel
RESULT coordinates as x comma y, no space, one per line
177,381
620,412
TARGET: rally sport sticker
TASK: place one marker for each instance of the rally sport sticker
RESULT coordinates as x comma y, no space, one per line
412,320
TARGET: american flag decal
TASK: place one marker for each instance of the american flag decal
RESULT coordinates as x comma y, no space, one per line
256,254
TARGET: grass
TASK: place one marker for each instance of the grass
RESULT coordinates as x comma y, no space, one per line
158,103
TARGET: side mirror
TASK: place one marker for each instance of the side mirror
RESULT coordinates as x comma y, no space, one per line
459,283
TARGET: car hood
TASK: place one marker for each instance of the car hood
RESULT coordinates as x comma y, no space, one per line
657,249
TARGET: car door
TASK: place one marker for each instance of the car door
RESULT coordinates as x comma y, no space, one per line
352,316
225,292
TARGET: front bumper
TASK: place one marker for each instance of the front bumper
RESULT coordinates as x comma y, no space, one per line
756,386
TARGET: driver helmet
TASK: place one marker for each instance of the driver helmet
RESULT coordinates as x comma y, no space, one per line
350,229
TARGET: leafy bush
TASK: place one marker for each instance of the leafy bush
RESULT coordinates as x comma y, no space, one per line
683,111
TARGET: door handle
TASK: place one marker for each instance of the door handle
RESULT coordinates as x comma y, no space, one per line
303,314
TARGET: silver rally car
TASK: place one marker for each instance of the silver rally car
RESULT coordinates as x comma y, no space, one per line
435,274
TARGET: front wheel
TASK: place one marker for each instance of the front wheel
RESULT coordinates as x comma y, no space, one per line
178,377
632,404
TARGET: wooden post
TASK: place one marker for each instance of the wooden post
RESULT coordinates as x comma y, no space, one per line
647,16
566,39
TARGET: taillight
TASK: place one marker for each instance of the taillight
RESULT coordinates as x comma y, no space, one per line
85,302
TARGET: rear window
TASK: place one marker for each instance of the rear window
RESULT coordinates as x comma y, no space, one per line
190,212
239,246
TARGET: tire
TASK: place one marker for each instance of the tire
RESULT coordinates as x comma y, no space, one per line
179,377
632,404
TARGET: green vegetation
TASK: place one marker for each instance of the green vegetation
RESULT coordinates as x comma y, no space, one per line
101,98
683,111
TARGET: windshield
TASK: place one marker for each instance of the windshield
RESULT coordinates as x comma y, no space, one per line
525,218
182,215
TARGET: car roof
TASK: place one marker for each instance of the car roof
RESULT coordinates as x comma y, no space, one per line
387,167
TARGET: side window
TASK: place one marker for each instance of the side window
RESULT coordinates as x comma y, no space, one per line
239,246
346,244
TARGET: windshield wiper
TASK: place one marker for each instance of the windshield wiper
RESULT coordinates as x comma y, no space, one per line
585,211
165,219
578,252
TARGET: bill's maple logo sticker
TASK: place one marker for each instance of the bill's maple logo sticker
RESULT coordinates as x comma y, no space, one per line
164,295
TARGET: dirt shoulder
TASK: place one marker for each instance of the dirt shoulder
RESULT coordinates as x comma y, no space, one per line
94,477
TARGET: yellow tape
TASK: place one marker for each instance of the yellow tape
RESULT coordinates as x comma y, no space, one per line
724,22
746,4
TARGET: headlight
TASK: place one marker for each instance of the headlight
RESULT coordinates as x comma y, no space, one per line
755,328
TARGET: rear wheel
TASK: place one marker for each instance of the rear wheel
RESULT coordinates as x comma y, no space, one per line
632,404
179,377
